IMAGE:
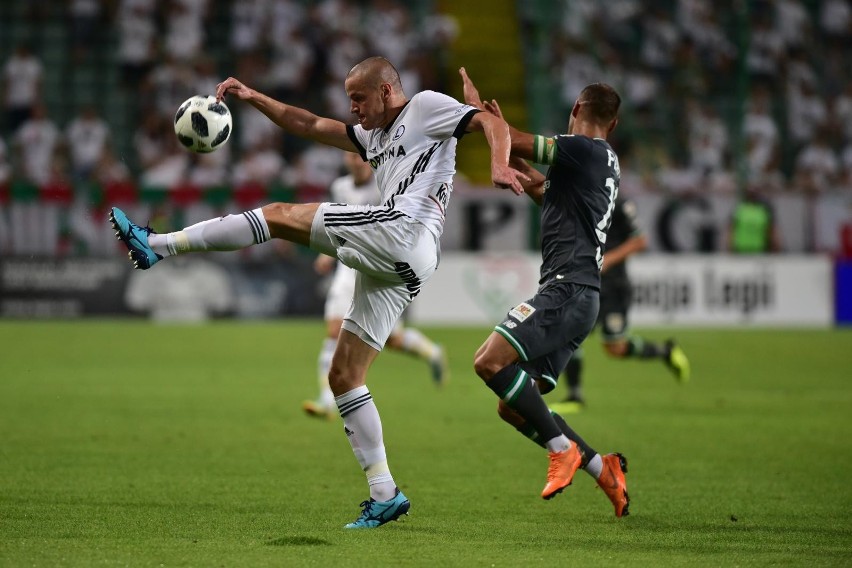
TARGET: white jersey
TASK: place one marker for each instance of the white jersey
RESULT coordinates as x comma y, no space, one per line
415,157
344,190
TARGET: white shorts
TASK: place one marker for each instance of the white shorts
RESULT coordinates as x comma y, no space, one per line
393,254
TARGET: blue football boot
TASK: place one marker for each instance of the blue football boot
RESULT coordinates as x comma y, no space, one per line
135,238
377,513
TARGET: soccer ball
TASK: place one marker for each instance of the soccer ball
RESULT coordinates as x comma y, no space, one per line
202,124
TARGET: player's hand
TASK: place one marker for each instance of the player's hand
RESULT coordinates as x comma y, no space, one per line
231,86
505,177
471,94
493,108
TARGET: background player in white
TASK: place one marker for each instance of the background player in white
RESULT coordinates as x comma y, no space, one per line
410,143
359,188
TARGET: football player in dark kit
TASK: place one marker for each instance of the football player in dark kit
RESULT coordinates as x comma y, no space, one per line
624,238
523,356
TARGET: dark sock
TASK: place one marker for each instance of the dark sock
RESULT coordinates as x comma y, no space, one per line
585,449
518,390
638,347
573,371
530,433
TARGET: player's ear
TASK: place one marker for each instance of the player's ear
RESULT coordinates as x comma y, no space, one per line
387,91
612,125
576,109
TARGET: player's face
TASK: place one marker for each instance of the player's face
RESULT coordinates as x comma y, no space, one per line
366,102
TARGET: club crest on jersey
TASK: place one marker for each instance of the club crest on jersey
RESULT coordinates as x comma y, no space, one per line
399,132
521,311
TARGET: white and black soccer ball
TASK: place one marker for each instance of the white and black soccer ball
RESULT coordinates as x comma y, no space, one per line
203,124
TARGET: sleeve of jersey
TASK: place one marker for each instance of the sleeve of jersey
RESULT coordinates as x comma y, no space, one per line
442,115
356,136
564,150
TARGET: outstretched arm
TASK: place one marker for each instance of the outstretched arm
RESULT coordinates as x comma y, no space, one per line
293,119
619,254
522,142
497,134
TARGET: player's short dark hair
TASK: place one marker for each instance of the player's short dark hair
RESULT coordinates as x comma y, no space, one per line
379,70
601,102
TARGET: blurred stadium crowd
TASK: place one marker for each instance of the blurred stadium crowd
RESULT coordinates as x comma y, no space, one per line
718,95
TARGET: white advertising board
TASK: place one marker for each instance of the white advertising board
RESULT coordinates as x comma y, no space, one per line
676,290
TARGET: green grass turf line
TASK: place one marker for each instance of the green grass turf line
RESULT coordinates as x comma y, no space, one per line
125,443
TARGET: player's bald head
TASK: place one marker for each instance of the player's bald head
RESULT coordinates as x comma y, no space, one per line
375,71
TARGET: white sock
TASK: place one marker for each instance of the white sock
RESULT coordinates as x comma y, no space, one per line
595,466
326,397
231,232
414,342
361,418
560,443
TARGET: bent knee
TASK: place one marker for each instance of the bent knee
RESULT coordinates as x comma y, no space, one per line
485,366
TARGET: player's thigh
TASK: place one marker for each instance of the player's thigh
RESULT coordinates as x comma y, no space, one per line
558,313
291,221
380,242
376,308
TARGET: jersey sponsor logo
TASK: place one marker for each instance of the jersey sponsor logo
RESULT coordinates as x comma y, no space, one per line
522,311
409,277
441,195
399,132
391,152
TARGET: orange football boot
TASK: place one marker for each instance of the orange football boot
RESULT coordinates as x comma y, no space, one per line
613,483
561,471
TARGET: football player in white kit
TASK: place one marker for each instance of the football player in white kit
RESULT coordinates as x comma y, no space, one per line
359,188
410,144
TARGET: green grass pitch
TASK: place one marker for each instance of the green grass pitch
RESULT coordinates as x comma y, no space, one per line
129,444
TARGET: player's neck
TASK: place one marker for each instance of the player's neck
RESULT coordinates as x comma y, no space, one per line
590,129
393,111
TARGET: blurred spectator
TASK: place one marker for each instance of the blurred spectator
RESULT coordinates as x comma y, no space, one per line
792,22
846,163
211,170
5,167
36,142
260,164
110,170
285,18
835,19
708,138
136,32
752,229
162,161
290,68
761,135
248,20
806,110
87,136
841,112
205,76
170,83
817,165
22,77
315,169
185,28
85,18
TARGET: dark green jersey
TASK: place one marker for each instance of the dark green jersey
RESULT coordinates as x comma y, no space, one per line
577,206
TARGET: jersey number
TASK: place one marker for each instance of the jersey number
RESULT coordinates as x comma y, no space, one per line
603,224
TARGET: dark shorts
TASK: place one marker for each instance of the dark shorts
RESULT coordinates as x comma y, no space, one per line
612,317
547,329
